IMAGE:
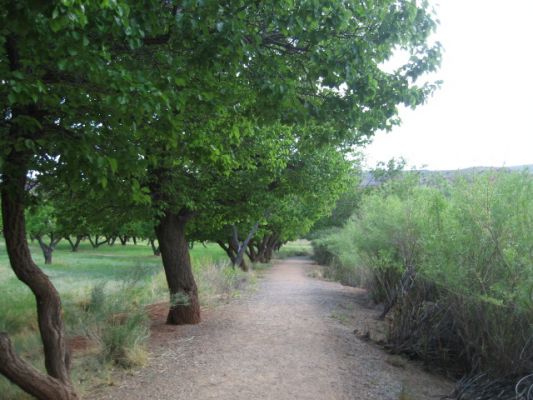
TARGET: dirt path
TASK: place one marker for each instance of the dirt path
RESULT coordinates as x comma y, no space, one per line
291,339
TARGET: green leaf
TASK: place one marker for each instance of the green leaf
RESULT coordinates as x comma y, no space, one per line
113,164
62,64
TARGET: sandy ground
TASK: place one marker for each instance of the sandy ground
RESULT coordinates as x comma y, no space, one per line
293,338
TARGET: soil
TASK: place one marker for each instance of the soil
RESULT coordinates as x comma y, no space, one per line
295,337
79,345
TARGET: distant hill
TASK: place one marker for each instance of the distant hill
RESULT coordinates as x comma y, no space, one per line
426,175
469,170
523,167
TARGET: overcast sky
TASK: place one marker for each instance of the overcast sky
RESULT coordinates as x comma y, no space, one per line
483,114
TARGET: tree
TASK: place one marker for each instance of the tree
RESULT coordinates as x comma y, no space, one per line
42,225
241,197
317,66
385,172
101,215
345,206
61,92
312,182
265,207
155,96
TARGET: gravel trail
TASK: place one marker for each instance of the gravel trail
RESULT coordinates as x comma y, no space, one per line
290,339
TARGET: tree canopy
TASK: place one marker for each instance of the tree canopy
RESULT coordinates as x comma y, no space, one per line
175,108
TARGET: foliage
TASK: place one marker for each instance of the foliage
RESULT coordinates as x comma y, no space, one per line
305,192
150,103
344,208
41,221
386,172
470,244
385,176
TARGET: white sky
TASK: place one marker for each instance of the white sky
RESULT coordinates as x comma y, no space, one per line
483,113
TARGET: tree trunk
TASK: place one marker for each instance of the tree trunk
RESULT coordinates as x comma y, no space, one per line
56,385
74,245
170,231
237,259
47,250
269,248
244,245
265,248
96,243
134,241
252,251
231,251
261,250
123,240
268,254
155,249
243,265
227,249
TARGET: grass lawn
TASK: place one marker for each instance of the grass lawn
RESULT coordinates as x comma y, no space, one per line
301,247
74,270
95,285
75,274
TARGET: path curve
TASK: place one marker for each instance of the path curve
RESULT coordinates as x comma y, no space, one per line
281,342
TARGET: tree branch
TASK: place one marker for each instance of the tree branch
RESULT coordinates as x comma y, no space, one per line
27,377
12,53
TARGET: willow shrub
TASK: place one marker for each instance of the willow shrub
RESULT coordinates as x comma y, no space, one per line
471,245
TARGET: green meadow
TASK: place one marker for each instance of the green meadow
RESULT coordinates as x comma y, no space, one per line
96,285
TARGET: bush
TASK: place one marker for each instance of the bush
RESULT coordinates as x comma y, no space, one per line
124,339
117,321
219,281
454,264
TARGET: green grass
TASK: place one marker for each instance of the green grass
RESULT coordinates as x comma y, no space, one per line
299,247
75,274
74,271
95,286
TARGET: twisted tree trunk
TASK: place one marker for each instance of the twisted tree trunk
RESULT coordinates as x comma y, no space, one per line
56,385
184,303
251,251
232,253
241,249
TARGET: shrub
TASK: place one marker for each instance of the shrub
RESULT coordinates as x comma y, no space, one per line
455,265
124,339
218,281
117,322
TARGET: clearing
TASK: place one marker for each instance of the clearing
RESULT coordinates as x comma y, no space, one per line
293,338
